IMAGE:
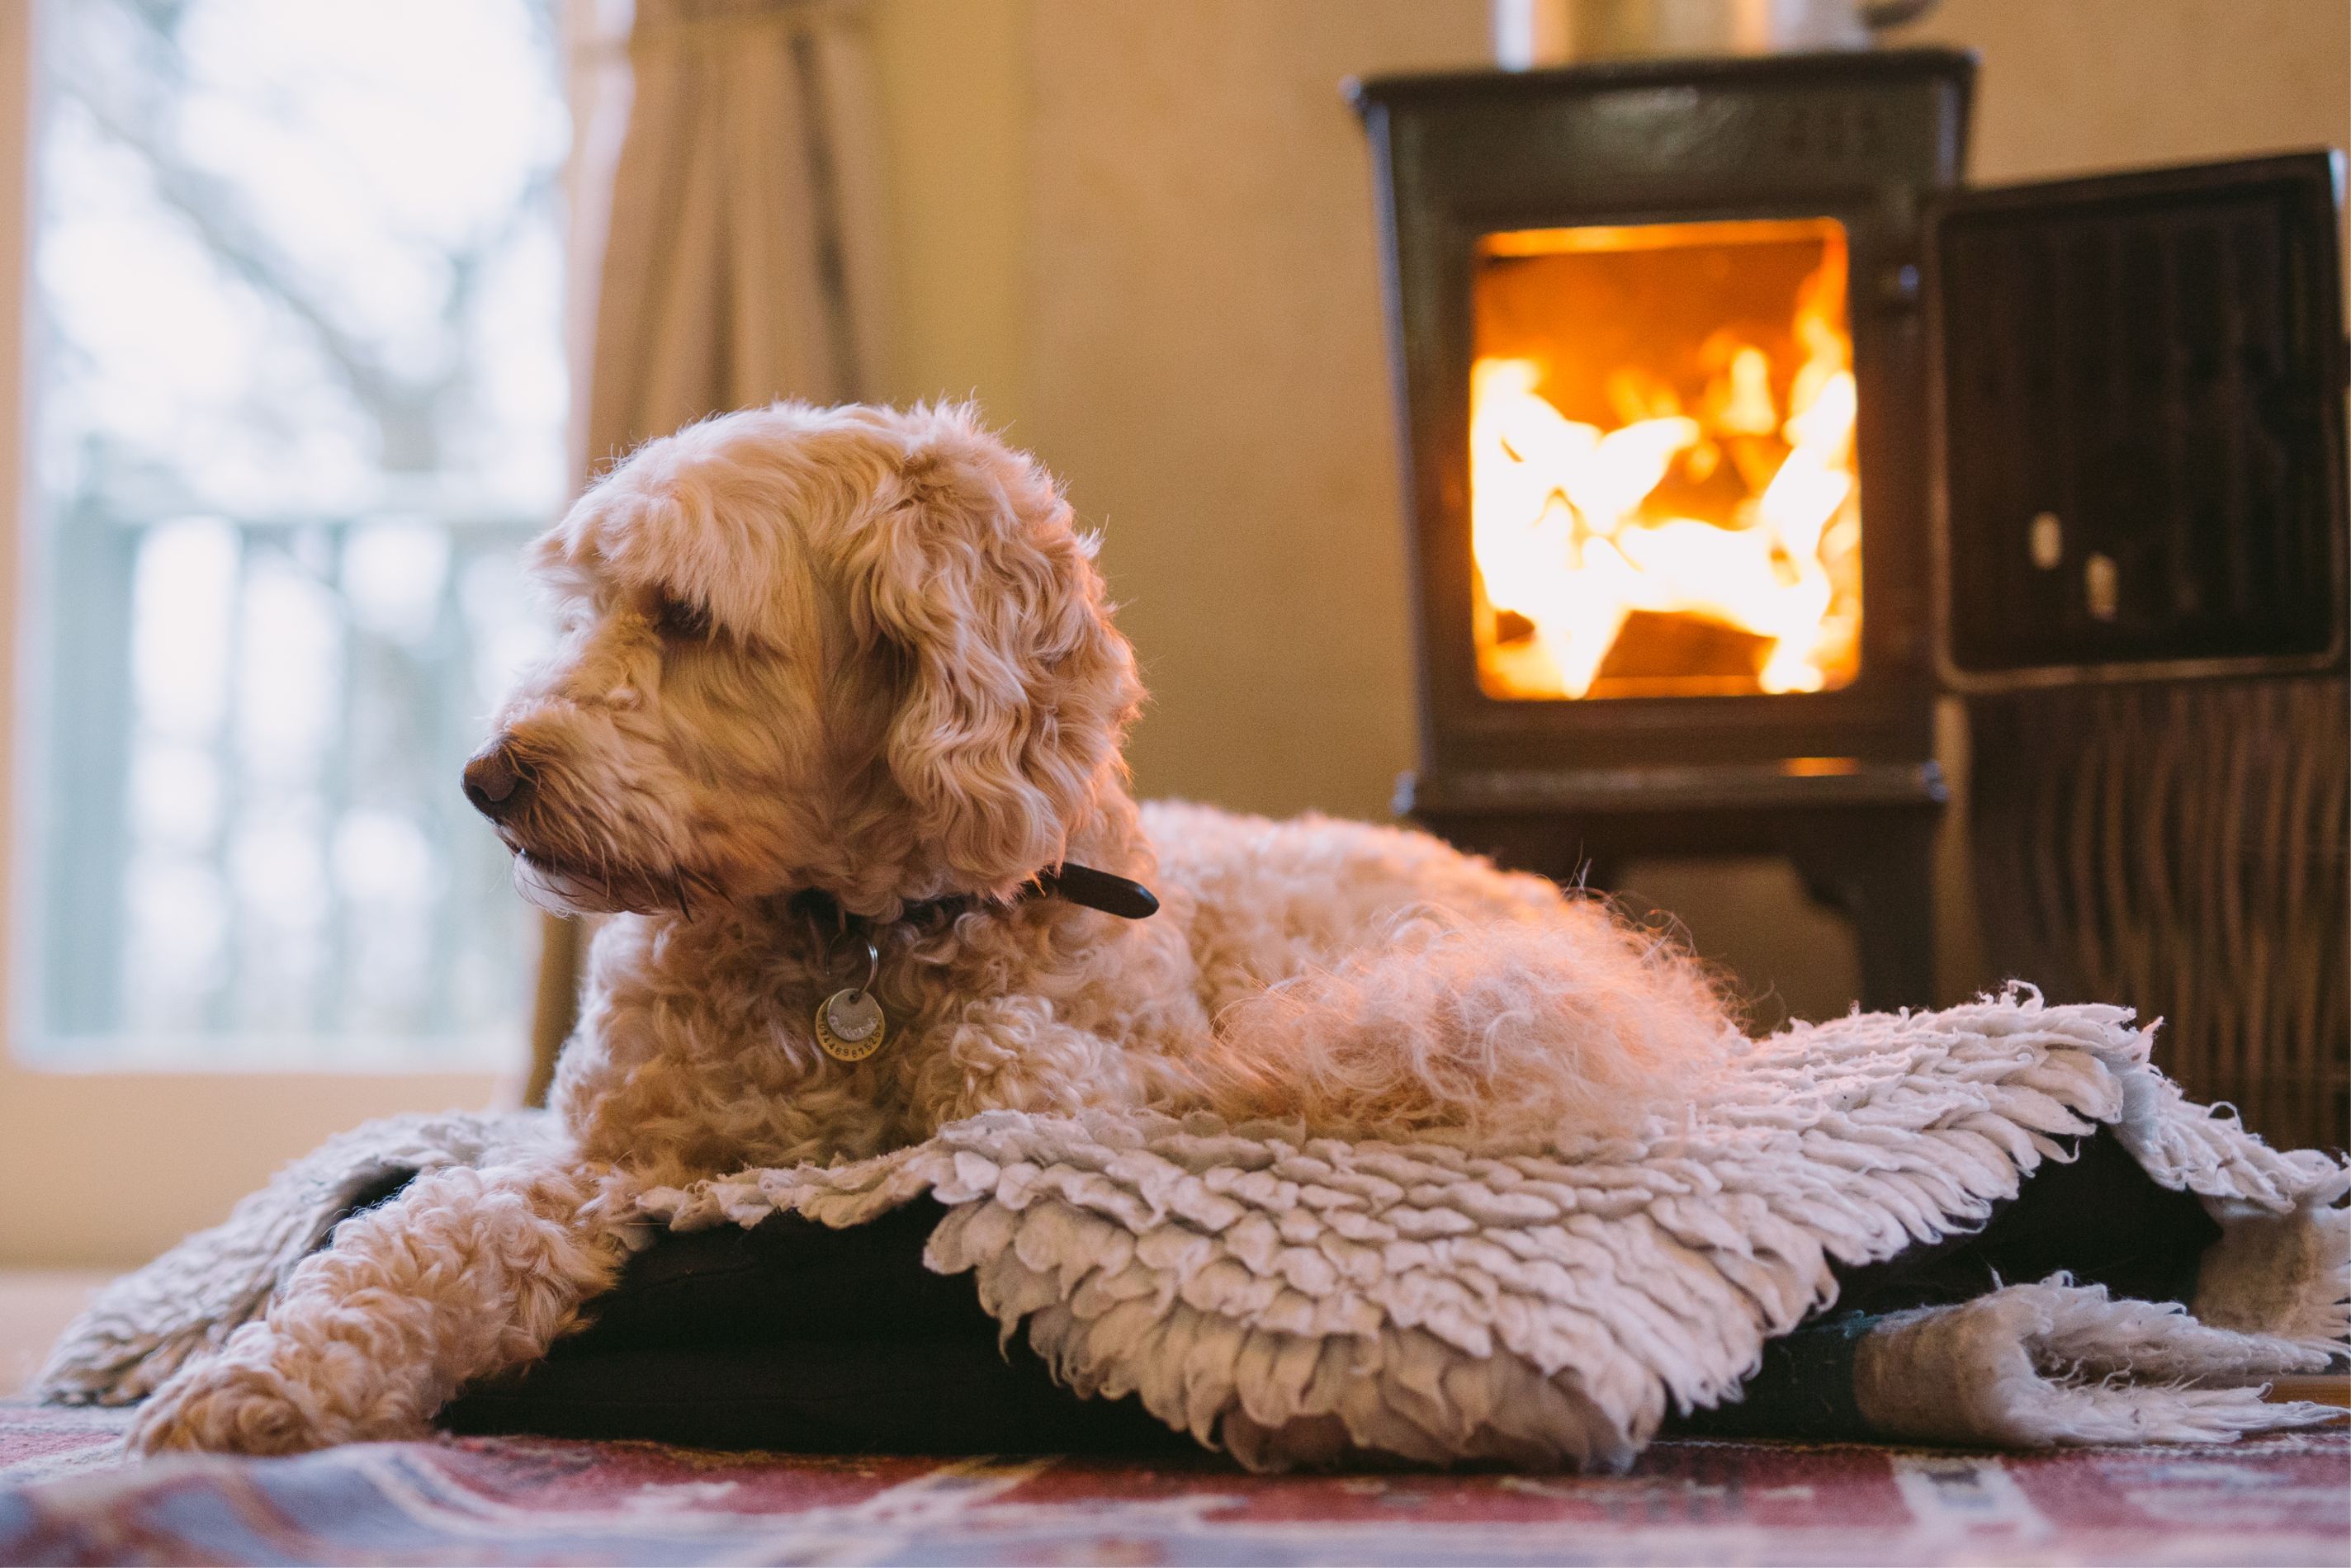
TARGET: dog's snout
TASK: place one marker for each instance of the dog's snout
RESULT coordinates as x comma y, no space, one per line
495,779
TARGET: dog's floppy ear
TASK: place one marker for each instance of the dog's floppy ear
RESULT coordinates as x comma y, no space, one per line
1015,689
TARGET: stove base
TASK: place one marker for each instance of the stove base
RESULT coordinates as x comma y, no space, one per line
1861,839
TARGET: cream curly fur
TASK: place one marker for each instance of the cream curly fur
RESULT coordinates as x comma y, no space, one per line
866,651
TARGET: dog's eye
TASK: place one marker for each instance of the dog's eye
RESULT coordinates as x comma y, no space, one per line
682,618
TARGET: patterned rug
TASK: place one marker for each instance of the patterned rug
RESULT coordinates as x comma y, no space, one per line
65,1496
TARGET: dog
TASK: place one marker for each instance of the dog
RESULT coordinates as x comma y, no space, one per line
833,737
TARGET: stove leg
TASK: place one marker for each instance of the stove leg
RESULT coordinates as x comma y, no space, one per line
1881,876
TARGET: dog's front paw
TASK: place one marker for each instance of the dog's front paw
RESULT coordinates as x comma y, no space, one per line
226,1406
242,1401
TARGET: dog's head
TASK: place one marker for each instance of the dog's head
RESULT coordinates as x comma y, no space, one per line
857,649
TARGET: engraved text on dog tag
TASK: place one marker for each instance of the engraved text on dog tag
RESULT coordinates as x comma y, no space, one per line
850,1026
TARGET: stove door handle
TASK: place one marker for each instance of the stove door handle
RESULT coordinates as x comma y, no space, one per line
1879,14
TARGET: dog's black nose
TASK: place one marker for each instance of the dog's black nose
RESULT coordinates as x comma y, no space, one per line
496,780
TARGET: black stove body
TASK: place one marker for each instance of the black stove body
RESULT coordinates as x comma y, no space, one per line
2096,433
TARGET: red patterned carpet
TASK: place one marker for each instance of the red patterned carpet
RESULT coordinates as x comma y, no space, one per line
66,1497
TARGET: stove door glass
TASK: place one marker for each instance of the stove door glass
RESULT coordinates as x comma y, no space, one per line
1664,496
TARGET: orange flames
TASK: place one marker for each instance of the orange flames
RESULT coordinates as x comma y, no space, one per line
1731,500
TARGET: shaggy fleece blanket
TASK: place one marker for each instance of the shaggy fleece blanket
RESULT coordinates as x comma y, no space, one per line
1299,1299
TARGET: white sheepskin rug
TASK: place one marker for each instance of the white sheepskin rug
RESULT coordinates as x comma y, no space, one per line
1298,1300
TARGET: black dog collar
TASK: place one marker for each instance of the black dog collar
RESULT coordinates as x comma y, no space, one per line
1070,883
1120,896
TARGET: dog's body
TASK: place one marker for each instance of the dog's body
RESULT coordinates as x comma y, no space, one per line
863,655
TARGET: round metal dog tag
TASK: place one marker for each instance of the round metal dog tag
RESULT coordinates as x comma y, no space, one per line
850,1026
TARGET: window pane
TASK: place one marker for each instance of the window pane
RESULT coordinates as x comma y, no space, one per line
301,395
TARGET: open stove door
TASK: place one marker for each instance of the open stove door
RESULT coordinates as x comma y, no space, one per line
2138,392
2138,426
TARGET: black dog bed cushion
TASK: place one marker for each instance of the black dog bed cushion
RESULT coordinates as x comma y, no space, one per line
793,1336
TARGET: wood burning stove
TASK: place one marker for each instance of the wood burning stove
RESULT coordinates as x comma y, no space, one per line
1735,433
1662,374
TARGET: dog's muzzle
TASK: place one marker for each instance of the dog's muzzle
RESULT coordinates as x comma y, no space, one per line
496,781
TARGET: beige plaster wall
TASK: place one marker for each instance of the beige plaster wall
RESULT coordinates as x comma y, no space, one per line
1208,368
2072,86
954,87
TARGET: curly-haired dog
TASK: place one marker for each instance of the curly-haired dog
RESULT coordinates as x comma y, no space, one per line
832,674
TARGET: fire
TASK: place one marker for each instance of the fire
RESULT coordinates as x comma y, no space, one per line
1575,528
